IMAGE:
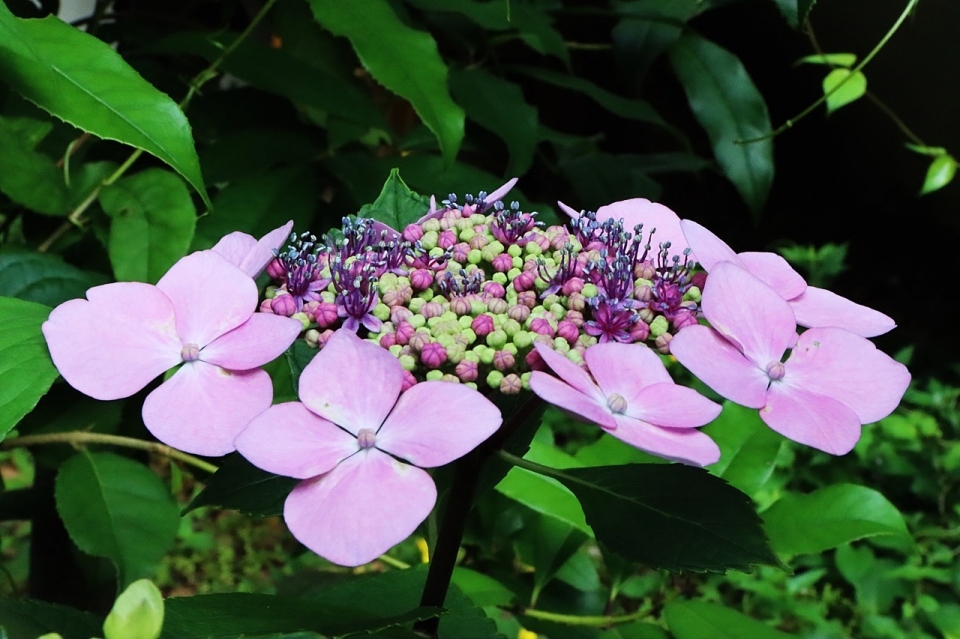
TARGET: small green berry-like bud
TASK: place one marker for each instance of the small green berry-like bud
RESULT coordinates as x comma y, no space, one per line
408,362
518,262
306,320
431,226
589,290
382,312
471,356
532,248
692,295
574,357
523,339
429,239
465,321
395,350
497,339
434,376
499,278
466,234
475,256
514,250
558,310
560,345
486,355
494,378
659,326
136,614
525,379
511,327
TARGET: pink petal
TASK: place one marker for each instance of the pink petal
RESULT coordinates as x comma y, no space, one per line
113,345
434,423
814,420
850,369
652,216
672,406
360,509
210,296
287,439
261,254
389,233
234,247
775,272
261,339
202,408
819,307
569,210
740,306
689,446
500,192
552,390
352,382
719,365
625,369
570,373
709,249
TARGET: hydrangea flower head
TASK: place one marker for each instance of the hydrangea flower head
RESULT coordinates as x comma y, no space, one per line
360,447
833,381
200,315
631,396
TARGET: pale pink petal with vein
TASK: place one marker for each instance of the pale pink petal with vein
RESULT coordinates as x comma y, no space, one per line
202,408
501,191
719,365
434,423
562,395
249,254
819,307
625,369
261,339
569,210
689,446
672,406
740,306
653,216
709,249
570,373
114,344
360,509
287,439
210,296
850,369
352,382
775,272
814,420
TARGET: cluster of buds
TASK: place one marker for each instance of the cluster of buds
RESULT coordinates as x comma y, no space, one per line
463,294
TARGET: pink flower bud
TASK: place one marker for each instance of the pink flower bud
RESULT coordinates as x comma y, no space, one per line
576,302
524,281
388,340
527,298
497,305
284,305
265,306
642,293
409,381
405,331
460,306
399,314
571,286
406,291
478,241
325,314
324,337
575,318
542,326
482,325
392,297
535,362
684,319
418,341
494,289
433,355
460,252
431,309
699,280
663,343
640,331
447,240
511,384
644,270
568,331
421,279
647,314
467,371
503,360
503,262
277,270
412,233
518,312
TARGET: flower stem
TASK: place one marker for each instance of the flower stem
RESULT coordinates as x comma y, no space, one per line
81,438
593,621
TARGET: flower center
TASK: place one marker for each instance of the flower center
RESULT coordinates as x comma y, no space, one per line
617,403
190,353
776,370
366,438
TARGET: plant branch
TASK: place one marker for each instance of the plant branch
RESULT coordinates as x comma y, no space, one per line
81,438
593,621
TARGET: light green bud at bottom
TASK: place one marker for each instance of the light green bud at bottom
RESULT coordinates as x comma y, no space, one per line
434,376
494,378
692,295
659,326
499,278
486,355
136,614
590,290
514,250
523,339
382,312
408,362
525,379
574,357
475,256
497,339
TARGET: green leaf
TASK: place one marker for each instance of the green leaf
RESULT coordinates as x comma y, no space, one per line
498,106
152,221
239,485
728,106
932,151
26,370
27,619
43,278
481,589
873,579
248,153
647,29
608,450
117,508
599,178
748,448
396,206
554,543
136,614
843,86
830,59
404,60
81,80
686,518
939,174
29,177
298,356
699,620
795,12
259,204
830,516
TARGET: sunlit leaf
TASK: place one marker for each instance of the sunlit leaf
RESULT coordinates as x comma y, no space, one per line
396,206
843,86
748,448
26,370
932,151
28,177
939,174
700,619
830,59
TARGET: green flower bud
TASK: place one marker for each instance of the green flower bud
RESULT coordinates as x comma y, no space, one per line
533,249
475,256
466,234
478,218
472,356
589,290
472,385
494,378
468,335
429,239
328,297
306,320
497,339
500,278
511,348
395,350
550,300
136,614
514,250
558,310
518,263
659,326
465,321
427,295
511,327
574,357
270,293
408,362
382,312
417,321
497,246
431,226
560,345
692,295
486,356
387,282
523,339
455,354
434,376
525,378
477,307
446,341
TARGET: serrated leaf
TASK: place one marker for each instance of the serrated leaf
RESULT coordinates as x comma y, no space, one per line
239,485
81,80
831,59
498,106
404,60
829,517
699,619
686,518
43,278
748,448
26,370
29,177
843,86
152,221
939,174
28,619
117,508
396,206
728,106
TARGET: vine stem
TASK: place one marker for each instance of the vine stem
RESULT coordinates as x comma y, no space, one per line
883,41
75,218
81,438
593,621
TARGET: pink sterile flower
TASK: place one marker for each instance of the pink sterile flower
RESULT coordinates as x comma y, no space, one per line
641,211
201,315
633,398
813,307
346,441
249,254
833,382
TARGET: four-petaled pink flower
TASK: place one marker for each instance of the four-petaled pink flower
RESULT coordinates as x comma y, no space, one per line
813,307
201,315
633,398
833,382
642,211
346,441
248,253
